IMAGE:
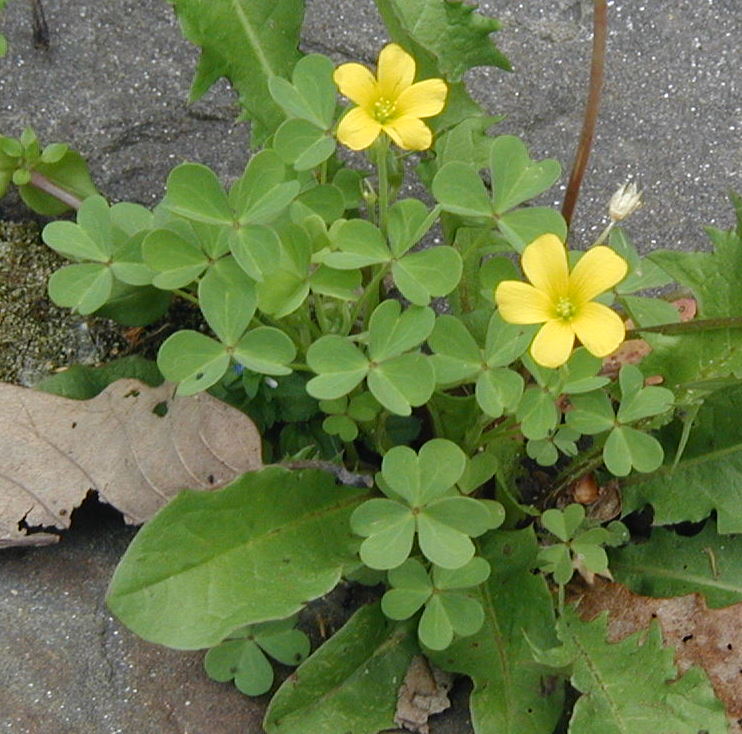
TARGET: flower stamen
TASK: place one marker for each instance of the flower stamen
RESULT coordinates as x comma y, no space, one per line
384,110
565,309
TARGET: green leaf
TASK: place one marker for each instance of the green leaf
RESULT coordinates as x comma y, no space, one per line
89,239
389,529
243,661
669,564
708,474
193,359
69,173
194,192
627,447
591,413
522,226
342,284
350,683
511,695
199,568
499,390
393,331
325,200
442,544
84,288
339,364
705,355
563,523
406,225
645,403
311,93
650,311
227,299
457,356
454,34
515,177
248,43
537,413
360,244
134,306
435,271
627,686
81,382
266,350
460,190
505,342
411,588
643,273
403,382
256,248
177,261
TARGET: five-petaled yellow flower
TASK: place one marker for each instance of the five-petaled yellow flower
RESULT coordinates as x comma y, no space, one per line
563,301
389,102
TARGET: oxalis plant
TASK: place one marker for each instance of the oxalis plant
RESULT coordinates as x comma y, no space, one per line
437,377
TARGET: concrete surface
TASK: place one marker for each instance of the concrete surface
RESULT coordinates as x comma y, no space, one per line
114,83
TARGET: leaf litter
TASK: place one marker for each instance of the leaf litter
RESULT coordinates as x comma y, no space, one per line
136,446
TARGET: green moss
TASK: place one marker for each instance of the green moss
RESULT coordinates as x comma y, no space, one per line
37,337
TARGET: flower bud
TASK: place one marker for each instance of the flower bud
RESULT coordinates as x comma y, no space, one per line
624,202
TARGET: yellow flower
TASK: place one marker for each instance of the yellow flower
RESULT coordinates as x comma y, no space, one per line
389,102
563,301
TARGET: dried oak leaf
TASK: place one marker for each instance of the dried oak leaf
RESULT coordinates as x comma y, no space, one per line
423,693
711,638
136,446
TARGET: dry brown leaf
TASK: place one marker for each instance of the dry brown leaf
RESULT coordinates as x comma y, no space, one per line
118,444
423,693
711,638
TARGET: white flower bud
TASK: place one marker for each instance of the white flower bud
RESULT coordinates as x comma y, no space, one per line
624,202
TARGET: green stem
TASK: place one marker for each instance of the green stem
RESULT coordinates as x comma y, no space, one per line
383,180
604,234
725,322
319,310
369,298
185,294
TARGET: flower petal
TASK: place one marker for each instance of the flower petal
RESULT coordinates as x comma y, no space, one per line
599,269
396,71
357,83
409,133
599,328
520,303
358,129
553,344
544,262
423,99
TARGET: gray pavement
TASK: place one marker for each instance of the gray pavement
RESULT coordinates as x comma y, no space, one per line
114,84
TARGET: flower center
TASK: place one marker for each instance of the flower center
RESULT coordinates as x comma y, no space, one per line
565,309
383,109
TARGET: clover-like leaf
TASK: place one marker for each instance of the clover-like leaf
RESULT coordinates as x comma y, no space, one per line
84,287
591,414
627,447
311,93
89,239
537,413
515,177
302,144
408,220
460,190
177,261
403,382
639,402
266,350
564,523
226,296
392,331
435,271
389,529
194,192
411,588
359,243
498,390
339,365
256,248
193,360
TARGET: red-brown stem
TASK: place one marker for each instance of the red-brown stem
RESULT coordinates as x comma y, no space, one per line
600,28
42,183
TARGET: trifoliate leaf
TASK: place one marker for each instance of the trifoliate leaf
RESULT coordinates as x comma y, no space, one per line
84,287
192,359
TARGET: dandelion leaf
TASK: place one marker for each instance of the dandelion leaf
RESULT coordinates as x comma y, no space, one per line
247,41
630,686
